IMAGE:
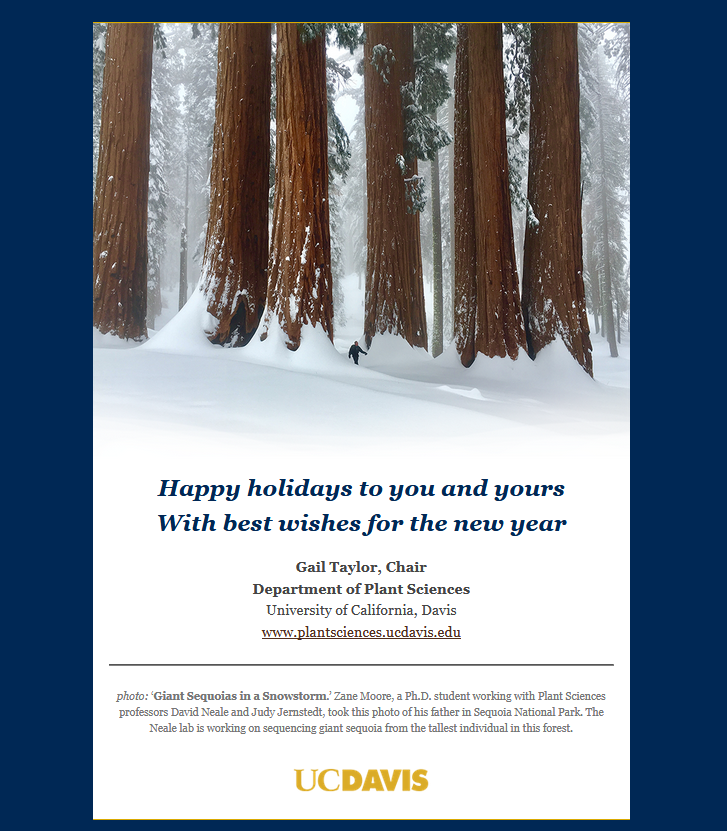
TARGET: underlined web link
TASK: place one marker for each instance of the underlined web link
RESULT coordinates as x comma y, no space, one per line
406,633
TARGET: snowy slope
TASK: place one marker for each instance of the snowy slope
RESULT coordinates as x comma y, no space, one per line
177,383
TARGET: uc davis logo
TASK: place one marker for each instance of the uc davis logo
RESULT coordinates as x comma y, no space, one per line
331,779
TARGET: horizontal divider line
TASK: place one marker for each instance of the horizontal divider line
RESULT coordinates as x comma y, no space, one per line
362,665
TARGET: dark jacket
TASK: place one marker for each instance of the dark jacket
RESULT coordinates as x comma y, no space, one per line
355,351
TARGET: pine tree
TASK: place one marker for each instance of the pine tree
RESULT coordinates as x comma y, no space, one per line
299,271
488,318
617,45
591,277
339,161
201,95
516,55
433,45
159,161
186,121
394,286
122,183
553,291
605,200
99,58
234,274
588,42
354,193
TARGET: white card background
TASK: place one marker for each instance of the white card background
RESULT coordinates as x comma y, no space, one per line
553,598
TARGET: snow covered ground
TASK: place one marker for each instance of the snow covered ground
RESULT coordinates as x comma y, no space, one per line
178,382
177,386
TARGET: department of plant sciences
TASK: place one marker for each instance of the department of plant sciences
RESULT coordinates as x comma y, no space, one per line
358,588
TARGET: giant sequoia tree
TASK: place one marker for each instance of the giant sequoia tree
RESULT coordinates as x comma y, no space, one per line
553,293
488,317
122,183
394,284
234,271
299,270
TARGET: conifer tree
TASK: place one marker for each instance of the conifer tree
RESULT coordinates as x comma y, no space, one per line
354,193
394,285
433,45
608,155
465,248
234,273
553,290
618,46
159,162
201,99
299,270
591,277
516,55
99,58
122,184
488,317
339,161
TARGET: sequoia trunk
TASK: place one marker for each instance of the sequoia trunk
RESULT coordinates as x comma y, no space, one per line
488,312
553,292
394,284
299,271
234,272
499,321
465,252
122,184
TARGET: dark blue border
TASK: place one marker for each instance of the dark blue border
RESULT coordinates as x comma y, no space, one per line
49,585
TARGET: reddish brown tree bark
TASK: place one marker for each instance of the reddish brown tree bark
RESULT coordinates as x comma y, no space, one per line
488,316
300,284
234,271
394,284
465,249
553,292
122,184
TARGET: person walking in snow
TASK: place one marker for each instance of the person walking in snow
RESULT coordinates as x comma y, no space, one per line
355,351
